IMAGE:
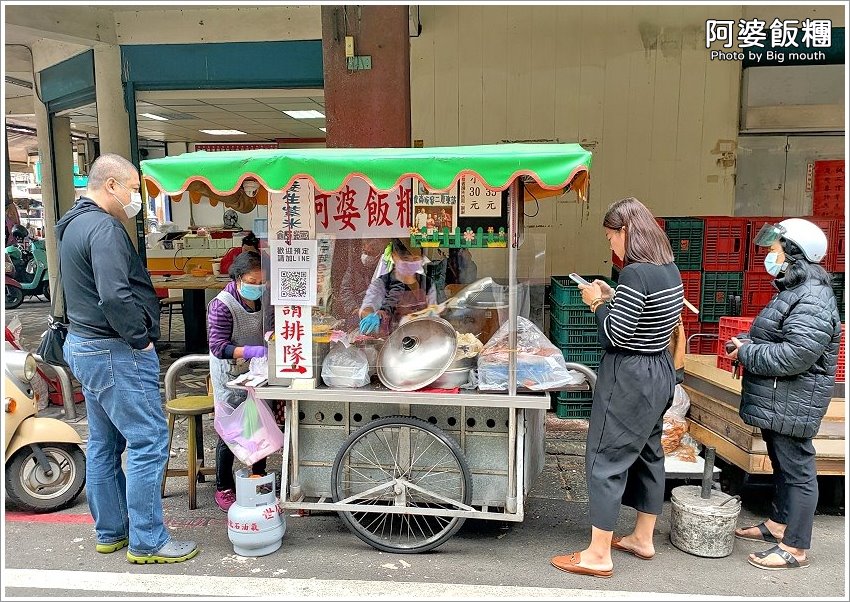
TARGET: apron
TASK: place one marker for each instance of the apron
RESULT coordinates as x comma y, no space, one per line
410,301
247,330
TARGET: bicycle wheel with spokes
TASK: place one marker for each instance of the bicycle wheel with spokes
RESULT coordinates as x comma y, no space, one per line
402,462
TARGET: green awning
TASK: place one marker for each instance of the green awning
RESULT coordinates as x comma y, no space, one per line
551,166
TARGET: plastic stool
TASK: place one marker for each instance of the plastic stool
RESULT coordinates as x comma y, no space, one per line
193,407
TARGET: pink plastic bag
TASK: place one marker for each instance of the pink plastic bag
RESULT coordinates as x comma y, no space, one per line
249,430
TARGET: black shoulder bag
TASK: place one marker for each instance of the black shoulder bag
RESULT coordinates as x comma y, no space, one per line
50,348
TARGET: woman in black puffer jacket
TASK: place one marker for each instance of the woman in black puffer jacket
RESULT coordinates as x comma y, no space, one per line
789,375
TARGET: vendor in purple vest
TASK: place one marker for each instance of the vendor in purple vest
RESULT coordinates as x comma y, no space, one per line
235,333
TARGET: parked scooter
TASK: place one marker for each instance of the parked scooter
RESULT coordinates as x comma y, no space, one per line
26,264
45,464
14,292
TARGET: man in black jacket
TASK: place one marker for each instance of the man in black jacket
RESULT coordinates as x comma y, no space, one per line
113,316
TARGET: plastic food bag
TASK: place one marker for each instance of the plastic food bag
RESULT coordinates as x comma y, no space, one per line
249,430
539,364
259,366
688,450
675,425
345,367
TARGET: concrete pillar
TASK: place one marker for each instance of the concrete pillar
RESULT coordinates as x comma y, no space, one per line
367,108
112,120
57,196
113,125
180,211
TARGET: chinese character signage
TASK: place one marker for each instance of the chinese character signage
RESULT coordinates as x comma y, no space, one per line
293,272
293,341
828,189
290,215
323,272
360,211
475,218
478,201
434,212
775,41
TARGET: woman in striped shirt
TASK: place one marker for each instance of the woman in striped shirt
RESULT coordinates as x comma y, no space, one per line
624,460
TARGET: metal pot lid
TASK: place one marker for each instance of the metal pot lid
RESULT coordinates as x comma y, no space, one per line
416,354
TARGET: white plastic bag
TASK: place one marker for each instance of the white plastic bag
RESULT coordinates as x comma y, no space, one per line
346,367
539,364
675,425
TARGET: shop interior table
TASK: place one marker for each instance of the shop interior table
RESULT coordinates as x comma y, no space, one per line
194,304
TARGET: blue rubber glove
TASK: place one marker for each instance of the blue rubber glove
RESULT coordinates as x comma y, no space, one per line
252,351
370,323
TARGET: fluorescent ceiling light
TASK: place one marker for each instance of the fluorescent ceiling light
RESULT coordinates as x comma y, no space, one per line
324,129
311,114
156,117
223,132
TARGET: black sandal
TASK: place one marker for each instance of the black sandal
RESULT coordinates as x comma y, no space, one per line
766,535
790,561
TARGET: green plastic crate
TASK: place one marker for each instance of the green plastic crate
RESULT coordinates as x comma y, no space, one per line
686,238
838,289
573,409
568,337
572,317
575,396
589,355
565,292
721,295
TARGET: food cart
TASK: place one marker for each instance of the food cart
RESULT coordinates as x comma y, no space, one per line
404,463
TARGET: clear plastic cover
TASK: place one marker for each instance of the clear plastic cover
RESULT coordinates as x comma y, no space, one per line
768,235
369,286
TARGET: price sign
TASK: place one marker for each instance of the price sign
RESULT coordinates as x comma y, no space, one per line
478,201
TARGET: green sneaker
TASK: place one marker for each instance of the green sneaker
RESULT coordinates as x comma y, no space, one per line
108,548
173,551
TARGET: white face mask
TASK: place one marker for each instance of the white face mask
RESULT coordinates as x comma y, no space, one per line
132,209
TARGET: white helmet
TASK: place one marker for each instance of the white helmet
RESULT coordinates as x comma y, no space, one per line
807,236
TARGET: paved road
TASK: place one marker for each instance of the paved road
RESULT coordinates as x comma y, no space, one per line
53,555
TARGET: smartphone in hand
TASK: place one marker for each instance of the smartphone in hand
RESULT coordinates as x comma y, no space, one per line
578,279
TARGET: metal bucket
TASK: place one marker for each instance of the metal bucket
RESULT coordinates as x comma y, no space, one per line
700,526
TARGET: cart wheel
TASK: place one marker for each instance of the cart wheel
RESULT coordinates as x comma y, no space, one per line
401,461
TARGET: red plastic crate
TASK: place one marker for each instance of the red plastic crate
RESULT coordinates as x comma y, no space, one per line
692,282
758,291
728,328
833,228
829,225
724,245
756,255
701,345
725,363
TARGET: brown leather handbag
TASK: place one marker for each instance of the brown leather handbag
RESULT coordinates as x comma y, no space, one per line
677,350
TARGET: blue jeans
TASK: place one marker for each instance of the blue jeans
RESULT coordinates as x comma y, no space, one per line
124,408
